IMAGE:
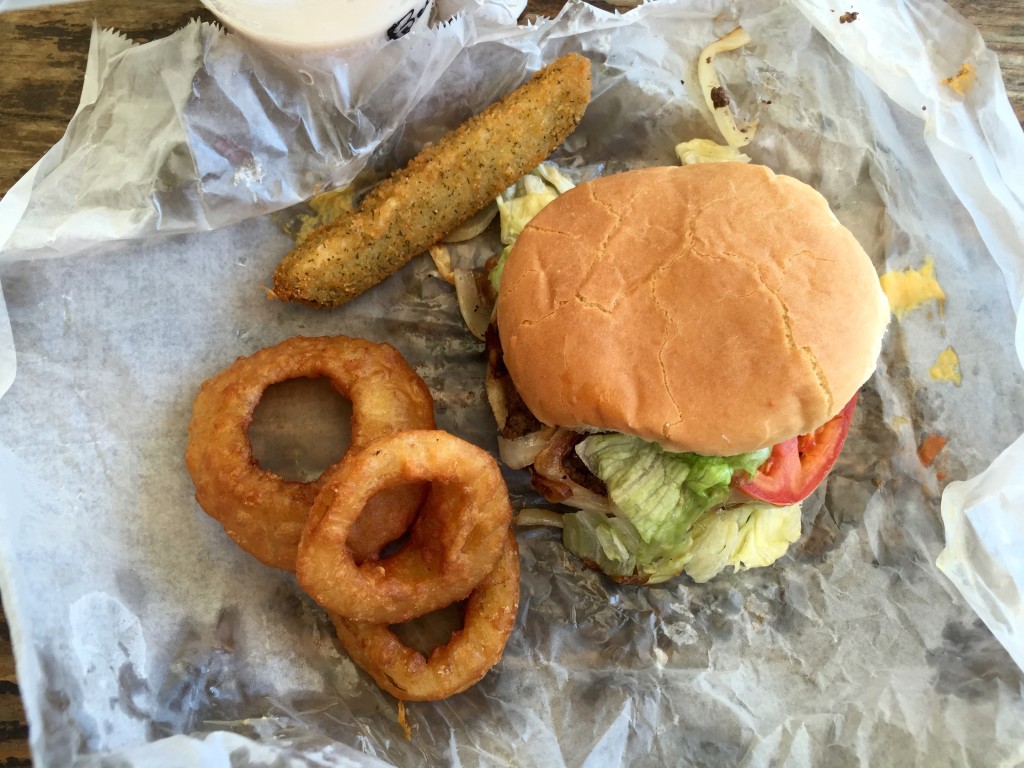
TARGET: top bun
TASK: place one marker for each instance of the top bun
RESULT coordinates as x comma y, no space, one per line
716,308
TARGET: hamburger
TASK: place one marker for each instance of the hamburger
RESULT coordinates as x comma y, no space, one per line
676,354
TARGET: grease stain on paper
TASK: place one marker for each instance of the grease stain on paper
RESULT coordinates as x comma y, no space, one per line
971,664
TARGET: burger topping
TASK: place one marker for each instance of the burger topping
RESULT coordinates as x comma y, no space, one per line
796,467
521,202
706,151
662,493
560,463
514,419
657,497
747,536
561,476
716,97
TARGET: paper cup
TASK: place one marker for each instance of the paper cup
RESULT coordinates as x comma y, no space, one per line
321,25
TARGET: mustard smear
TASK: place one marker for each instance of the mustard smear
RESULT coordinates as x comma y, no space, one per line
947,367
910,288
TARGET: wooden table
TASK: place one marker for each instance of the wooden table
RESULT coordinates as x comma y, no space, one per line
42,59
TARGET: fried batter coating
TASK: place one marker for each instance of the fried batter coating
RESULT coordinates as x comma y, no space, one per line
262,511
443,186
453,544
407,674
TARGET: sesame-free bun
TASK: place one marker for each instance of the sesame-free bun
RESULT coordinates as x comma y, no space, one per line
716,308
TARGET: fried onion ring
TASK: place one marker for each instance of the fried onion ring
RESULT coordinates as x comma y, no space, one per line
265,513
453,544
490,614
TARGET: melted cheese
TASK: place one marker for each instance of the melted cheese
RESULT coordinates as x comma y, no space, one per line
910,288
962,80
947,367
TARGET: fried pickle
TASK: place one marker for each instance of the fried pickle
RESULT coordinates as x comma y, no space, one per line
440,188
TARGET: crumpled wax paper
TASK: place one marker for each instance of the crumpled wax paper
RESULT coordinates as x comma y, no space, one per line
144,636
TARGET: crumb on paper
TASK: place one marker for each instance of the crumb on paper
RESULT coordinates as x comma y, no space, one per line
947,367
962,80
849,17
719,97
910,288
403,721
930,448
250,173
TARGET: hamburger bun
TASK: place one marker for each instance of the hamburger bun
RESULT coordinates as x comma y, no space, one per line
715,308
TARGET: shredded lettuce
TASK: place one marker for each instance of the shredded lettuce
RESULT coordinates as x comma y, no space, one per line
613,544
750,535
520,203
662,493
747,536
662,522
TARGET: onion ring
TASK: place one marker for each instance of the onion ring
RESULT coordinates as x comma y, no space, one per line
454,542
490,614
265,513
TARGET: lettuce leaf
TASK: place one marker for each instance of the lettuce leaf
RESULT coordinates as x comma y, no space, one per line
520,203
662,493
667,513
613,544
748,536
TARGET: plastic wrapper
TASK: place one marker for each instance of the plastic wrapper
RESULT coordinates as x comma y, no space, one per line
135,262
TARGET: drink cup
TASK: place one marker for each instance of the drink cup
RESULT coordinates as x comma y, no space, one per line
321,25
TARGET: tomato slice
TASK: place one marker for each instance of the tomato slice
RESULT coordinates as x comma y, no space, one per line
796,467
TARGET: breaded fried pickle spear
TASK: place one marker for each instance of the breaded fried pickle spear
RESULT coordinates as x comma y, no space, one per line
438,190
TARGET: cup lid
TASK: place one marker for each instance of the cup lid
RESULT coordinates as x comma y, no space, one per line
319,24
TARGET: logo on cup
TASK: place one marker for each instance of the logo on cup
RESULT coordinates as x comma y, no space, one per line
405,24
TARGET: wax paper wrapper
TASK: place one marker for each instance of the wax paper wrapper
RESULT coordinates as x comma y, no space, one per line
144,636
